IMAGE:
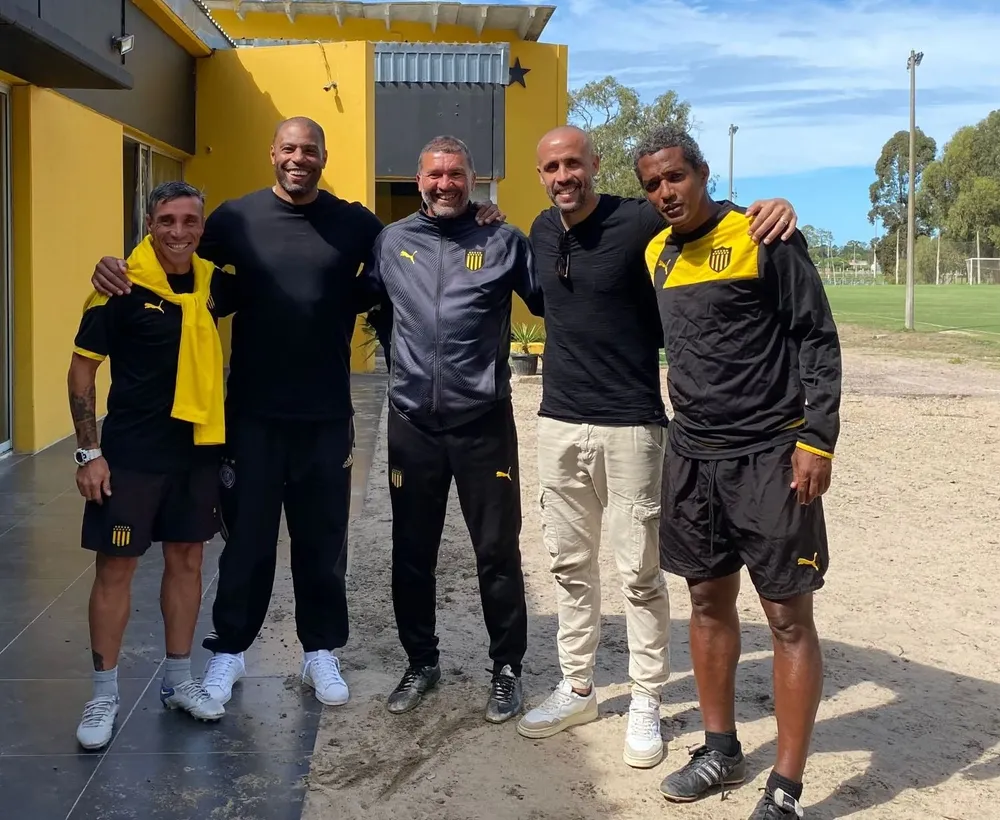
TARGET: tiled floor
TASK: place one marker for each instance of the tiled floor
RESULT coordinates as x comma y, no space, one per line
160,765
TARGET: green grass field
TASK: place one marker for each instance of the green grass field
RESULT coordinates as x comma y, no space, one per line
957,321
971,309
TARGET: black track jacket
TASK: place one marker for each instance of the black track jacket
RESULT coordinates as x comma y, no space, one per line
450,283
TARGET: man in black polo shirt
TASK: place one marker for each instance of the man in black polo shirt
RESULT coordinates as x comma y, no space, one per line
152,476
296,251
602,431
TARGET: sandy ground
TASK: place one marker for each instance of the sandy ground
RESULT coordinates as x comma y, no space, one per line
909,726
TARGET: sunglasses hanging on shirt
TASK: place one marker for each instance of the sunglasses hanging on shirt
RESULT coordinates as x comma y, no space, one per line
562,262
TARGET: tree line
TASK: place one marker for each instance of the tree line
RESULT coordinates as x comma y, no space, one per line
956,204
957,193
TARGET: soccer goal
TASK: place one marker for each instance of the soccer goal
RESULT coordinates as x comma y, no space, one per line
983,270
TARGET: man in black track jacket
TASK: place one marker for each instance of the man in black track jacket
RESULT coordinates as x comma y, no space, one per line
450,283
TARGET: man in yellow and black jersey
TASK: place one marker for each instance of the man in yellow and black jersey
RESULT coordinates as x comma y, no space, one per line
754,381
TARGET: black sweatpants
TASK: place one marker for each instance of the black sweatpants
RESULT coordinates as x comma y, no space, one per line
305,466
482,458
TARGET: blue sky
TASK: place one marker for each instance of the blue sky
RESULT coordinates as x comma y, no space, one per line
815,86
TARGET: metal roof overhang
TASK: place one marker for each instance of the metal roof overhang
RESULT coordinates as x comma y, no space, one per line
527,21
198,20
41,54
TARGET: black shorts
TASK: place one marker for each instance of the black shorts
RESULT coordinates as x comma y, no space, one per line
719,515
144,508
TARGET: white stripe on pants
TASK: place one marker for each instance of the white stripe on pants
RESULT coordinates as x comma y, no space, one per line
583,471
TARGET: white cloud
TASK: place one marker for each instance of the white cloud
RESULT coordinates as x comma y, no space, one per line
811,83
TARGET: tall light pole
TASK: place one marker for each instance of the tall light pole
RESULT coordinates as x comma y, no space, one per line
911,64
732,132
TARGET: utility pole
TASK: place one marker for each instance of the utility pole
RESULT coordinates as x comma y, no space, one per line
732,132
911,64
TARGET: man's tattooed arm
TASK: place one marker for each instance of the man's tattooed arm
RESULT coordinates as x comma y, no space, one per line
83,400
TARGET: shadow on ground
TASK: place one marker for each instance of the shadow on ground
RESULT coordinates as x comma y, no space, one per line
918,727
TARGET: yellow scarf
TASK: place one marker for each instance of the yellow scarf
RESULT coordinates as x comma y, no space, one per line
198,395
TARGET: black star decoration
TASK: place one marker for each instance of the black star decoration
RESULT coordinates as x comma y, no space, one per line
517,73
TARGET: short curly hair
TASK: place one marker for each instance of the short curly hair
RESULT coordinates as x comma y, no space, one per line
668,136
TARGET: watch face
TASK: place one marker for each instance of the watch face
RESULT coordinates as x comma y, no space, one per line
81,457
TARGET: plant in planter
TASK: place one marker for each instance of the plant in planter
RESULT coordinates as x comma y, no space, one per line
370,343
524,362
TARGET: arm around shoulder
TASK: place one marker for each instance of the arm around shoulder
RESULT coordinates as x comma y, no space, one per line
527,284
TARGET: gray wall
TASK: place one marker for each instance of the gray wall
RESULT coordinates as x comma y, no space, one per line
162,101
92,23
62,42
407,115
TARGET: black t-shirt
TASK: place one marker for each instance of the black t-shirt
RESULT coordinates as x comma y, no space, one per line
295,318
141,333
602,329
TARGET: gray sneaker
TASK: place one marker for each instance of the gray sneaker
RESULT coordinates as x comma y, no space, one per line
505,696
98,722
560,710
412,687
191,697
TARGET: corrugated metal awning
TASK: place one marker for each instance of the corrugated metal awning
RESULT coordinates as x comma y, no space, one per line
485,63
527,21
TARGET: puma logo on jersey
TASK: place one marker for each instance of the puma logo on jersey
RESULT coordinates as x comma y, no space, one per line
408,255
502,474
151,306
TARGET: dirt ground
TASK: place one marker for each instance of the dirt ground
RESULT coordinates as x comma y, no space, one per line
909,726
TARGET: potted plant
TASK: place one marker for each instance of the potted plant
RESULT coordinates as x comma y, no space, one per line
370,342
524,360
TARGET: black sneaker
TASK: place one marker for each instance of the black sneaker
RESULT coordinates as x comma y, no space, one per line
707,770
412,687
778,805
505,696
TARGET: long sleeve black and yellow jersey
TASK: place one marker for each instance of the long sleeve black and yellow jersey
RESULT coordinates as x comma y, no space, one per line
752,348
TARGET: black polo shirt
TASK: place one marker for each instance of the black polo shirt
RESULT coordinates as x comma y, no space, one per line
602,328
141,333
295,268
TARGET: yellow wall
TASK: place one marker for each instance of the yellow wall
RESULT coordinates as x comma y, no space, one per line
531,111
242,95
67,191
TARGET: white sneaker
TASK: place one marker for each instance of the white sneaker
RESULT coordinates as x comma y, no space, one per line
322,673
643,743
98,722
191,697
221,672
560,710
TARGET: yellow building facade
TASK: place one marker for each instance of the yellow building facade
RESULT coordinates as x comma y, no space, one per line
76,164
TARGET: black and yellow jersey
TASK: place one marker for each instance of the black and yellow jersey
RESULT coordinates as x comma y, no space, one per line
752,348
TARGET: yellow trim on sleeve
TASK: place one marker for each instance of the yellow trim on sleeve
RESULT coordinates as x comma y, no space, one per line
813,450
87,354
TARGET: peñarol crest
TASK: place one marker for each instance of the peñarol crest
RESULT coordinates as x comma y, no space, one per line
719,259
474,260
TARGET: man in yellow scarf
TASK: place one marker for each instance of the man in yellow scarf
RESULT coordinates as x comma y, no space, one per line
153,475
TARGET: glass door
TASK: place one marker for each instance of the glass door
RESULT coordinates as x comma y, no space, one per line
6,338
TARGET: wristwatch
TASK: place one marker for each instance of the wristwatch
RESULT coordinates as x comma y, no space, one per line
82,457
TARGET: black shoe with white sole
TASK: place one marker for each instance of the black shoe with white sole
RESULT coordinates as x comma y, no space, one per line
707,770
505,696
412,687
